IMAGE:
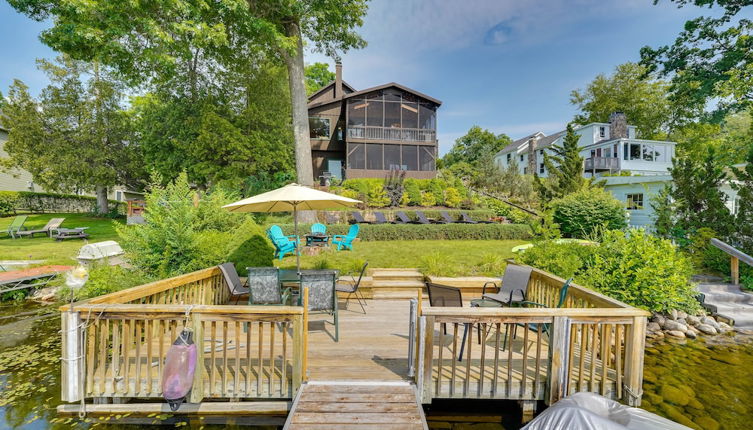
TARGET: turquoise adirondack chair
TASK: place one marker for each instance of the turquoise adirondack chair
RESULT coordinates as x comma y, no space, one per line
283,244
347,240
319,228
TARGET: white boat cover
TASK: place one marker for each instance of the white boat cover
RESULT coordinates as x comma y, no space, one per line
99,250
589,411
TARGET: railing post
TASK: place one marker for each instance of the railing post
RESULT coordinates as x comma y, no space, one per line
635,341
412,338
558,351
197,390
425,350
73,360
297,378
734,266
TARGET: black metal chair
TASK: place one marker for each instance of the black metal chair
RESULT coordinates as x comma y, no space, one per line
233,281
514,286
351,288
446,296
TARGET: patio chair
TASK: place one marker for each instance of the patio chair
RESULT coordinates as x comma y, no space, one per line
464,218
402,218
535,326
233,281
448,297
358,218
445,218
52,224
351,288
283,244
421,218
319,228
322,294
16,225
347,240
264,287
380,218
514,286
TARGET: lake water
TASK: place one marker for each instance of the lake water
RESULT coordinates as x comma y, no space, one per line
702,384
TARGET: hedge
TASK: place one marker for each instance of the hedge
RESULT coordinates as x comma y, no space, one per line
477,214
378,232
12,202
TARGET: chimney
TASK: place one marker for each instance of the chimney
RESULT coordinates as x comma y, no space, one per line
532,160
618,126
338,79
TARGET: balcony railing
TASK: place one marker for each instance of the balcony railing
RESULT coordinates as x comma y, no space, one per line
602,163
395,134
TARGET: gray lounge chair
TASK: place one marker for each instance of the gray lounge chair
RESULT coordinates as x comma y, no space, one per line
468,220
446,218
233,281
514,286
322,294
358,218
421,218
52,224
380,218
351,288
402,218
264,287
16,226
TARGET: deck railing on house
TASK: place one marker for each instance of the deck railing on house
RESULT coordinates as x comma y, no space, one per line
393,134
602,163
114,345
593,343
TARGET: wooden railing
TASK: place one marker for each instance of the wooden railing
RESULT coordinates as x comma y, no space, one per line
593,343
394,134
602,163
736,256
114,346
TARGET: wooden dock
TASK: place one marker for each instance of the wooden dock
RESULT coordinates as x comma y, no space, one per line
360,405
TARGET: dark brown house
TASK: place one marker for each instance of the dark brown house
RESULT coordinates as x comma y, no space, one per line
363,134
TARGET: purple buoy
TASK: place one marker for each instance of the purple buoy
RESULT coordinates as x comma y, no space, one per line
180,365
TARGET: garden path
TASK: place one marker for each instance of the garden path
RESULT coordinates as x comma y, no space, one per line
729,300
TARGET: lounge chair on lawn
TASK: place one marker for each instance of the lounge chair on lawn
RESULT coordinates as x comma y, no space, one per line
464,218
358,218
322,294
351,288
347,240
421,218
16,225
402,218
446,218
380,218
52,224
331,219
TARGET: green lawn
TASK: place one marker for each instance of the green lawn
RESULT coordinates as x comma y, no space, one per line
44,248
433,257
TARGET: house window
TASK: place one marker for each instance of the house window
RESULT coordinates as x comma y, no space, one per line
541,168
634,201
509,158
119,196
525,170
541,152
318,127
635,151
602,131
356,156
521,157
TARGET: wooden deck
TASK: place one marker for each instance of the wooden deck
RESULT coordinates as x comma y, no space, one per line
356,405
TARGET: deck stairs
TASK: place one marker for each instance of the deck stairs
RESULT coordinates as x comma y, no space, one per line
727,301
334,405
396,283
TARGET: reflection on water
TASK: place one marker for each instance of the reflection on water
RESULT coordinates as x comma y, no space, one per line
704,385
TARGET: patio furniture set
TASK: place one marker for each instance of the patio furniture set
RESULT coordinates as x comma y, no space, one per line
317,237
52,229
274,286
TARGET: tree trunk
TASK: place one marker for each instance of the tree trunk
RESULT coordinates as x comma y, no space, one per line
303,165
102,200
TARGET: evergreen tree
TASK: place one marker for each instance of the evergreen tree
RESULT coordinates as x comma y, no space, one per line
744,217
565,169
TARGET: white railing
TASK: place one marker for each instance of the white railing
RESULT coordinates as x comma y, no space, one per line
396,134
602,163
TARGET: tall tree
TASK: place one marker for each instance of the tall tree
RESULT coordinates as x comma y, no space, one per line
317,76
629,89
565,169
711,59
744,185
153,42
76,136
476,145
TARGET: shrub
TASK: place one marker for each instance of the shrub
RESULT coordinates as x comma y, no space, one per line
379,232
103,279
428,199
413,192
377,197
249,247
584,213
8,202
452,198
437,264
563,259
50,202
349,194
436,188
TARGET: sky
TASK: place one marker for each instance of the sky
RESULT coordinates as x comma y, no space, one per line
506,65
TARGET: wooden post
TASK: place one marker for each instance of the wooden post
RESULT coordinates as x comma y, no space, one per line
735,270
412,338
558,351
427,359
528,409
73,360
635,341
197,390
297,354
305,340
421,364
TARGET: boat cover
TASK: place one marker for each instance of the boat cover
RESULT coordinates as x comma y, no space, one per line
589,411
100,250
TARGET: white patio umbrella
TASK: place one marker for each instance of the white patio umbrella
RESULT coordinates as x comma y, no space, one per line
291,198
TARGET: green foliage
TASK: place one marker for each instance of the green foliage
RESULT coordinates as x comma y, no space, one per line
104,279
317,76
663,207
565,169
585,212
377,197
438,264
630,89
8,202
382,232
452,197
249,247
477,145
428,199
413,191
546,228
636,268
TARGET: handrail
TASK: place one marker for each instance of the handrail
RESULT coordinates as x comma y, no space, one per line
181,309
735,257
489,313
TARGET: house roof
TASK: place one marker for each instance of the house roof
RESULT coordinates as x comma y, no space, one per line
398,86
330,84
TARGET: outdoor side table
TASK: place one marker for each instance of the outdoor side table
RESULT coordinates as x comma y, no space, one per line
70,233
317,239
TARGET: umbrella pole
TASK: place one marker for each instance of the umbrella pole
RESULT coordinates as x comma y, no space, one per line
298,243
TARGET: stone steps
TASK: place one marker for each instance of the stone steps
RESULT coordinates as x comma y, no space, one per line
729,302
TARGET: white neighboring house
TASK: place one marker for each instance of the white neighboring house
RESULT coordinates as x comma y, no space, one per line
609,149
22,180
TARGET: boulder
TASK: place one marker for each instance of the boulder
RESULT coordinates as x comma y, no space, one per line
674,325
706,329
681,315
707,423
724,327
676,333
674,395
710,321
652,326
693,320
690,334
658,319
673,314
